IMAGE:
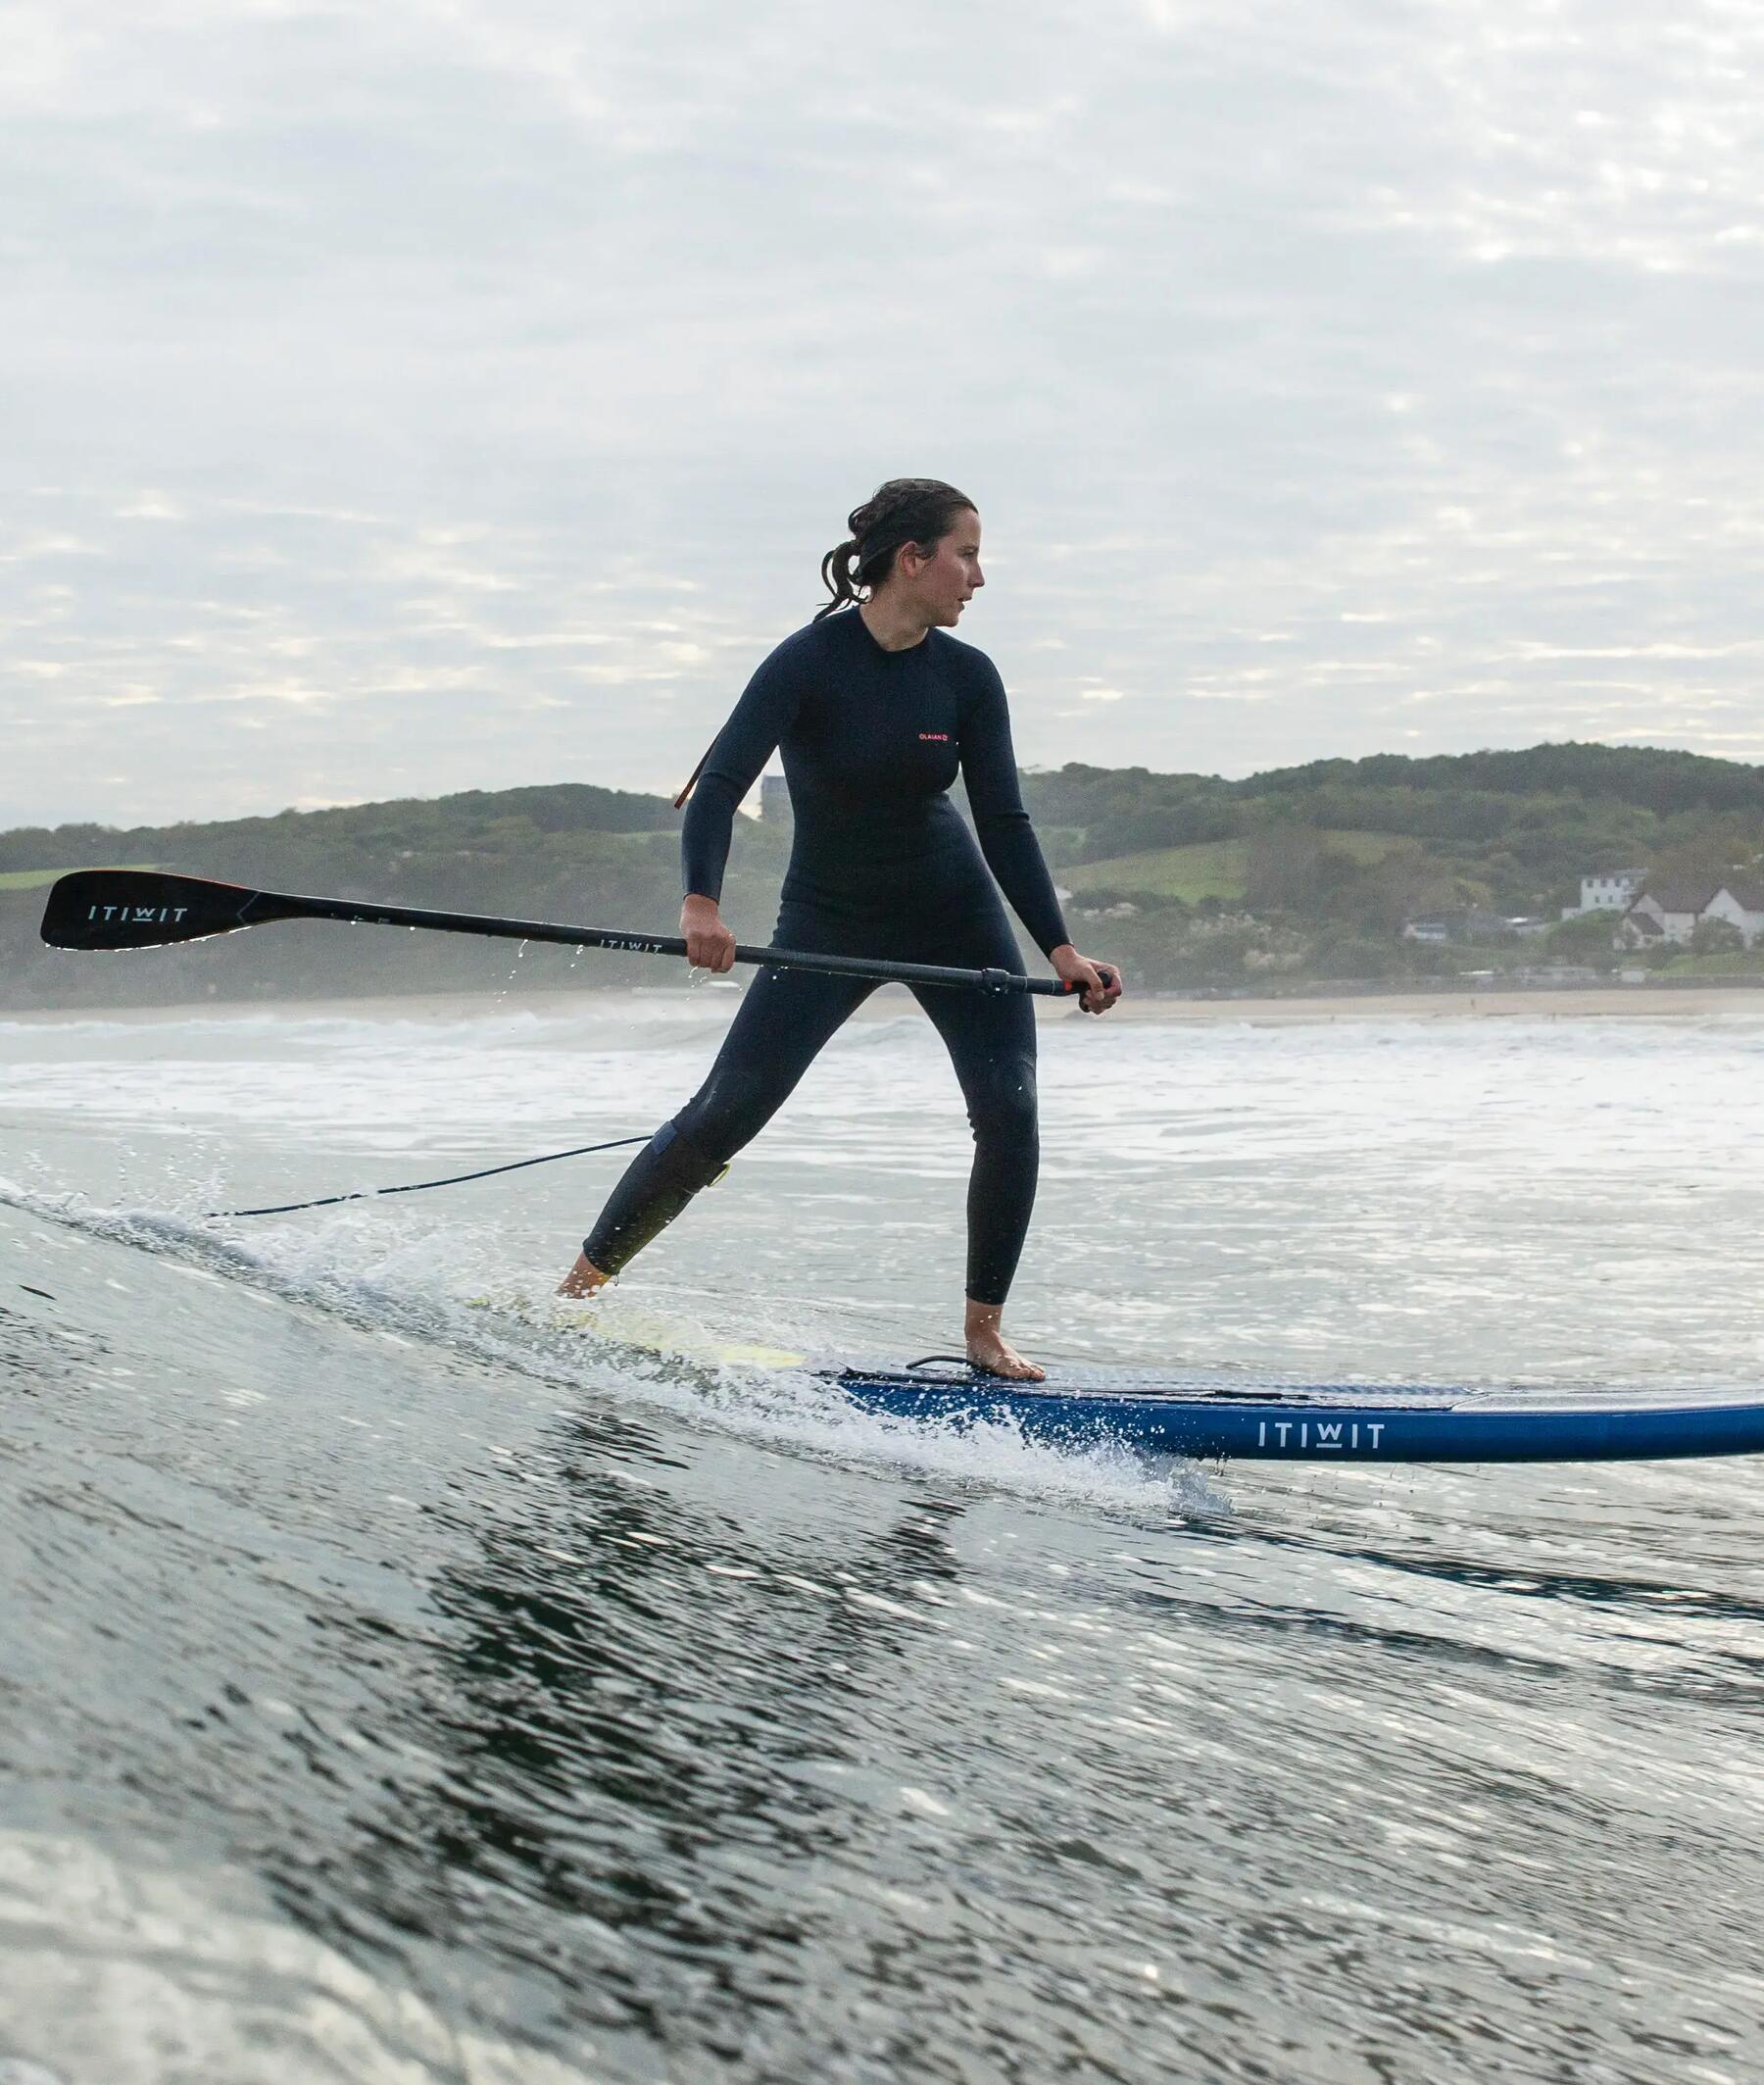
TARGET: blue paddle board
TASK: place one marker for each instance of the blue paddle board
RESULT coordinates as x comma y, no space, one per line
1286,1421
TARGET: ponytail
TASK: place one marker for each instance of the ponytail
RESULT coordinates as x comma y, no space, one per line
838,577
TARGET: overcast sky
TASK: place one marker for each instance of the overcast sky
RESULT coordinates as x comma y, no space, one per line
452,393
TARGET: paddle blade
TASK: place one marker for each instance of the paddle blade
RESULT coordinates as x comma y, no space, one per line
134,907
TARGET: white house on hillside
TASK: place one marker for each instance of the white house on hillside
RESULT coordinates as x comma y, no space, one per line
1673,912
1612,892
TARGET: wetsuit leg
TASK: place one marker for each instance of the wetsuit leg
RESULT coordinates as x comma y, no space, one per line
991,1040
784,1019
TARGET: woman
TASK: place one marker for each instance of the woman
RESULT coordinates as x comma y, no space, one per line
873,708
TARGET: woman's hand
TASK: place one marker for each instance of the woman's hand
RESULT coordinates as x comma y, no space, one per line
1101,982
710,945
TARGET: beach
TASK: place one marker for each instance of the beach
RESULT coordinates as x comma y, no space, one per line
1702,1002
1512,1003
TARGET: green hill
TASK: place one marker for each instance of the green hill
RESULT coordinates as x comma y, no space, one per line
571,852
1210,869
1310,869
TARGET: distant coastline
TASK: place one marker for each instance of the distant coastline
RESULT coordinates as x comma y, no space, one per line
1447,876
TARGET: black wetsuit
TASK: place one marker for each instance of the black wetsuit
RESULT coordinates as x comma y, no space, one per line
882,865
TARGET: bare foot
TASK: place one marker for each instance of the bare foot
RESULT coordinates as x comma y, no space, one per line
582,1279
989,1349
998,1357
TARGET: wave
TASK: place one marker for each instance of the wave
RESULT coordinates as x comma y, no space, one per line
383,1020
678,1366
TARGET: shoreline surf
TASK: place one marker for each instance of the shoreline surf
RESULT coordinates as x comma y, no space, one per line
1537,1003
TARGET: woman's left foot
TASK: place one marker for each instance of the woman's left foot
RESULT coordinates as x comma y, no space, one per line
995,1354
583,1279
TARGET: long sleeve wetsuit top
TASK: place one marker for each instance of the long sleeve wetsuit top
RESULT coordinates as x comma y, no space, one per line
872,742
882,865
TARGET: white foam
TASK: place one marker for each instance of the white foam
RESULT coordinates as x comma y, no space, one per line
425,1287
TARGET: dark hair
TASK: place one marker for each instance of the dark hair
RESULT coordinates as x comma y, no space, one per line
906,510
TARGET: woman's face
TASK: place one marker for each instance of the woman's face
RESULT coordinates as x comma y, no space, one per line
942,582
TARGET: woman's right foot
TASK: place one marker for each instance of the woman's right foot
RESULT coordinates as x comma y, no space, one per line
987,1347
582,1279
995,1354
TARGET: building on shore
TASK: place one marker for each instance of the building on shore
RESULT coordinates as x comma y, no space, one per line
774,801
1673,912
1471,922
1612,890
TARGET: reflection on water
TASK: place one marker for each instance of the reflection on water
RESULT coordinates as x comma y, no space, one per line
394,1692
641,1740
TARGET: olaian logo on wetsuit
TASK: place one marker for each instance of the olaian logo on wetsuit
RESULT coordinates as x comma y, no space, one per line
941,738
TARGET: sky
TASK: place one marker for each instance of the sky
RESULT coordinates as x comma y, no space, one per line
448,394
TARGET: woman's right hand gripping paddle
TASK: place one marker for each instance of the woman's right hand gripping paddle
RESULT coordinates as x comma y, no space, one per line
710,944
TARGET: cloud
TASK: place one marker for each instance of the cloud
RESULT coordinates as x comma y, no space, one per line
426,360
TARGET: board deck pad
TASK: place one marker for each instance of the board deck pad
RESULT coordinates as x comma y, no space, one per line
678,1337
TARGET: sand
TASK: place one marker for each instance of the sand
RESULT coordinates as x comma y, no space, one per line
1540,1003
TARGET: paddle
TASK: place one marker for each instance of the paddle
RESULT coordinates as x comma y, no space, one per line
97,909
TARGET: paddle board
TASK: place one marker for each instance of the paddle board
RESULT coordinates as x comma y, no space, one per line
1242,1417
1283,1420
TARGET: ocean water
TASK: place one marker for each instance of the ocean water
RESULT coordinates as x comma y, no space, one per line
400,1683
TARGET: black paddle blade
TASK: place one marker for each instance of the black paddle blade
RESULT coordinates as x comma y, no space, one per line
138,908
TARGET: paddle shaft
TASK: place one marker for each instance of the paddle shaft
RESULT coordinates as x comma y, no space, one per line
117,908
988,980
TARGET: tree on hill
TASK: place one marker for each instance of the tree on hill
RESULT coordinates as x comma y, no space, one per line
1585,938
1716,937
1285,867
1710,854
1654,778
